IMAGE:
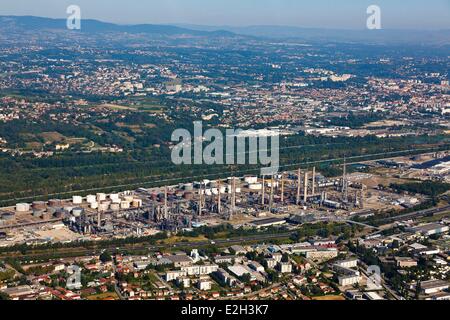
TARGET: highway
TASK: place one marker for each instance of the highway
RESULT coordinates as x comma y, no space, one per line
432,211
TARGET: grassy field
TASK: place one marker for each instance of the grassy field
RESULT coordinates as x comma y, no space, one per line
329,298
173,240
104,296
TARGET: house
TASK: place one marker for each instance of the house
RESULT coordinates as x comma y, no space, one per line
256,266
405,262
238,249
204,284
285,267
180,260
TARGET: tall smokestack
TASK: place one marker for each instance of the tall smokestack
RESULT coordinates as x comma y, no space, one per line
166,214
299,183
314,182
305,194
272,184
263,201
233,196
200,203
219,200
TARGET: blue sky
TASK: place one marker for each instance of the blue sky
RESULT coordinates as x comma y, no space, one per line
343,14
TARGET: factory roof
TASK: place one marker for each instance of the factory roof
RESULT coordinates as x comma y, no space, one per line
434,284
179,258
239,270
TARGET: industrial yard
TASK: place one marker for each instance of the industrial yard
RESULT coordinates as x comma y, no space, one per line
288,198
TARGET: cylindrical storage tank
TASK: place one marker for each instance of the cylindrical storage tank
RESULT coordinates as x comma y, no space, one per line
46,215
124,205
38,213
128,198
8,216
22,207
114,196
104,206
39,205
115,206
59,214
101,197
91,198
137,203
77,200
77,212
93,205
51,210
54,203
255,186
251,179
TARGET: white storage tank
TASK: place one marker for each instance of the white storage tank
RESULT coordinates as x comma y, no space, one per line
255,186
101,197
129,198
124,205
93,205
22,207
77,200
104,206
77,212
251,179
91,198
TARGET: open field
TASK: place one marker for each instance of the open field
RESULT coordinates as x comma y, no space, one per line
329,298
104,296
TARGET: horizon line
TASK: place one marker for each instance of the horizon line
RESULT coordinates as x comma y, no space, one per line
187,25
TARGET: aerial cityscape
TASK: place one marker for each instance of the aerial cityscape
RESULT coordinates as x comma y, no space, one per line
182,161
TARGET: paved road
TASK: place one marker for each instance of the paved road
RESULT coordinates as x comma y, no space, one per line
116,288
417,214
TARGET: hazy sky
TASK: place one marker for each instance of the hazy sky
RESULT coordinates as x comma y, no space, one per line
409,14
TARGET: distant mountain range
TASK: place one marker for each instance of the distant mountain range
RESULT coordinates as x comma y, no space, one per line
390,36
31,23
